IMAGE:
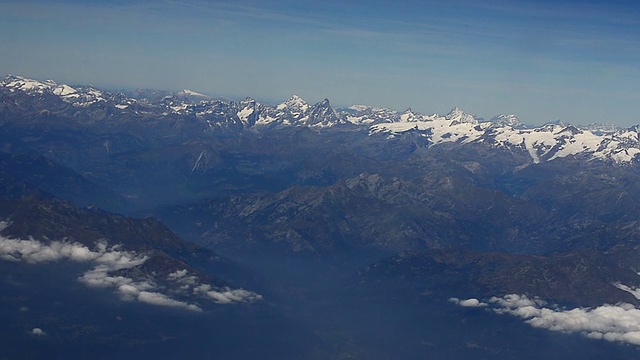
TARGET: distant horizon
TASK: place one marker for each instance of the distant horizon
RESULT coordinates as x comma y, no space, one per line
337,106
542,61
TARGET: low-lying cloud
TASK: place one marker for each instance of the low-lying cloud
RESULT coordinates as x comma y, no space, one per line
129,289
616,323
227,295
38,332
33,251
107,262
468,302
191,283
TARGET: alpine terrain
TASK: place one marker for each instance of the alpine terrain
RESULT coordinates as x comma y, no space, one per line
175,225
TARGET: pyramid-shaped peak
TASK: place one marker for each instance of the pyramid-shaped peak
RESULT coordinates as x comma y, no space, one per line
324,105
456,111
409,116
295,103
325,102
295,99
322,114
458,116
570,129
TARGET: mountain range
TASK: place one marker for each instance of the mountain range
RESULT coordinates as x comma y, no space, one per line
318,232
544,143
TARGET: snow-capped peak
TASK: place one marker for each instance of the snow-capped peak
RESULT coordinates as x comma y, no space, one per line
364,114
13,83
457,116
187,92
543,143
81,96
507,120
409,116
295,102
247,112
64,90
323,115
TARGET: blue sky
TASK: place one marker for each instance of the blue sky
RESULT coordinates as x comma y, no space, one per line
577,61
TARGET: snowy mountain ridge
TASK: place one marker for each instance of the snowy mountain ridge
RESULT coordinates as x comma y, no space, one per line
543,143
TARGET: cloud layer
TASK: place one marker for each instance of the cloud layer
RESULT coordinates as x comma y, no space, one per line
129,289
108,261
33,251
619,323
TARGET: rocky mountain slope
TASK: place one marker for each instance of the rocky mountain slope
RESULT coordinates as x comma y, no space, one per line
80,283
451,221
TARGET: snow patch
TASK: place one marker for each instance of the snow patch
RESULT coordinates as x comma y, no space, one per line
244,114
63,90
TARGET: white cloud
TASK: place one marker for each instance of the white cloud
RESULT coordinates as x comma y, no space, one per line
159,299
33,251
616,323
109,259
126,287
99,277
177,274
117,260
128,291
38,332
468,302
227,295
139,291
27,250
180,276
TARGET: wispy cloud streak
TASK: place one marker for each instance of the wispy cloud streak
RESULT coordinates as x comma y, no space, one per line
107,272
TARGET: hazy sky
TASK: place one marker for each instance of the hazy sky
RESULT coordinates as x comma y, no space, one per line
578,61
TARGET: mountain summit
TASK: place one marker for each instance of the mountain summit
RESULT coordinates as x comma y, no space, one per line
548,142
